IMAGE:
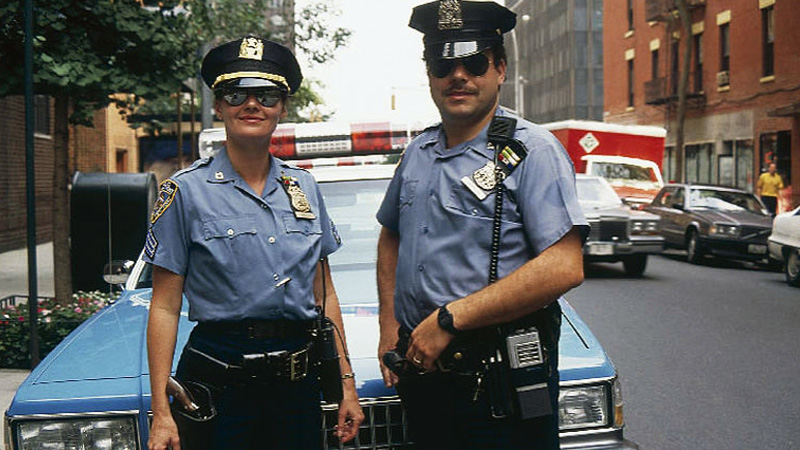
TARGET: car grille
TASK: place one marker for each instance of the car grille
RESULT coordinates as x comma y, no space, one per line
616,231
758,234
384,427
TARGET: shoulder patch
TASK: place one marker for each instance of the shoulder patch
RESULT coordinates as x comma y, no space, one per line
166,194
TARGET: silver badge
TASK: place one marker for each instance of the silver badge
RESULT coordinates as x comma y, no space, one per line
485,177
450,15
297,198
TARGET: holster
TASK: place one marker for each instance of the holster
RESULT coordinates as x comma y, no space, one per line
195,420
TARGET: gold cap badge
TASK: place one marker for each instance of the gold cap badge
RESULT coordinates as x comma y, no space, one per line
252,48
450,15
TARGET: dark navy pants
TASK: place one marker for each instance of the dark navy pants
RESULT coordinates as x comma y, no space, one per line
442,415
265,415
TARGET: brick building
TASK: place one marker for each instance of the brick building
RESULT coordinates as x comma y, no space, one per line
743,94
111,146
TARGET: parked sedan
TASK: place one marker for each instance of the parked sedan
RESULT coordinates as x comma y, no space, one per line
713,220
784,244
617,232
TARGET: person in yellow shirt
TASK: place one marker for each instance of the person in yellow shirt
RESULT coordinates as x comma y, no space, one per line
768,187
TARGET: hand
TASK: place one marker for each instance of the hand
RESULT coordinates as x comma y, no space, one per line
388,341
427,342
163,433
350,417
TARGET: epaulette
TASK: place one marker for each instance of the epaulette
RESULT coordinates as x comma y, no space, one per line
195,165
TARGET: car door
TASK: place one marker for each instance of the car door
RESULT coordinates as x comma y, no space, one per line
664,206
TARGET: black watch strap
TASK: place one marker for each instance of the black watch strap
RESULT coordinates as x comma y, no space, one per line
446,320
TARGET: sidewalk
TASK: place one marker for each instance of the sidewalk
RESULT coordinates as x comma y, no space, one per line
10,379
14,271
14,281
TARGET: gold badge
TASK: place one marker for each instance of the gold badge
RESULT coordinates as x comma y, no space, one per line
251,48
485,177
297,198
450,15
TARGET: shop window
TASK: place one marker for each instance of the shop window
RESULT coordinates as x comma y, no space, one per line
698,163
777,147
668,166
735,164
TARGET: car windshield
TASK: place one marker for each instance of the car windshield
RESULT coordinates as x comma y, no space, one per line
352,205
725,201
621,174
594,192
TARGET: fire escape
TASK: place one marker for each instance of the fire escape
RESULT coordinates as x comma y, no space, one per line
663,91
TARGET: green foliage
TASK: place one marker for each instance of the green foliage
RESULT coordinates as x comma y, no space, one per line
89,50
55,322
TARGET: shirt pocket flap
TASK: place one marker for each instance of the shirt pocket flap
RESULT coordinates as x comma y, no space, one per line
229,227
304,226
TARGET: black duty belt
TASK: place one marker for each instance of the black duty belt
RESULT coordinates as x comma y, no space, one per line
283,365
257,329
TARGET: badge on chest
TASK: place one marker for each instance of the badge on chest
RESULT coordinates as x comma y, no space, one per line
297,198
482,181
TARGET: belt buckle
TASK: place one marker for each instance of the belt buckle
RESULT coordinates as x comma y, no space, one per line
298,364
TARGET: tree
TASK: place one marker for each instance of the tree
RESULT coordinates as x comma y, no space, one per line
214,21
683,85
85,51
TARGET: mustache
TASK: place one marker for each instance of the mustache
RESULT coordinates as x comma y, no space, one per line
460,88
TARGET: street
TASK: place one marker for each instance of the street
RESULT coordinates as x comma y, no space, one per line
707,354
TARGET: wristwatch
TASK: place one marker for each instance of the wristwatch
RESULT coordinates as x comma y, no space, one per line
446,320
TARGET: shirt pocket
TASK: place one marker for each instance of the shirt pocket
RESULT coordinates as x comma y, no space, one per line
307,227
408,191
229,227
465,202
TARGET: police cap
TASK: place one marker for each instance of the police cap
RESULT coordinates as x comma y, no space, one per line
252,62
456,29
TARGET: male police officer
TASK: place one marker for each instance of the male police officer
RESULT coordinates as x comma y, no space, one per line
436,248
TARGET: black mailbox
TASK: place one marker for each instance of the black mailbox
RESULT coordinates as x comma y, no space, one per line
110,213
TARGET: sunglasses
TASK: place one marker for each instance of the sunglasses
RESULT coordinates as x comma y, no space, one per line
266,97
477,65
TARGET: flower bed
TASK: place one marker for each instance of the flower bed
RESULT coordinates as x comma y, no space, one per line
55,322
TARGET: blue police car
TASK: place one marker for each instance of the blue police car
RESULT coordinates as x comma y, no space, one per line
93,392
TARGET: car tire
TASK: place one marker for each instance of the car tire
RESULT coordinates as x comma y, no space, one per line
694,253
634,265
792,267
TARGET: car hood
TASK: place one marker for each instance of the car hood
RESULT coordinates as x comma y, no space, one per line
742,218
102,365
595,210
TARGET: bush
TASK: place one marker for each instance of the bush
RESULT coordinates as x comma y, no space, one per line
55,322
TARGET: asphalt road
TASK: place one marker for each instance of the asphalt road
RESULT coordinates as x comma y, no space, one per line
708,355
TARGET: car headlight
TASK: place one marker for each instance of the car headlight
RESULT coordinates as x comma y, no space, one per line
101,433
583,407
644,227
721,229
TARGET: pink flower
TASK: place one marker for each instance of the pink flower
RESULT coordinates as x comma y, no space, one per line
20,319
78,310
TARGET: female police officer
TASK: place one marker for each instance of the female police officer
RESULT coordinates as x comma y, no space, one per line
245,236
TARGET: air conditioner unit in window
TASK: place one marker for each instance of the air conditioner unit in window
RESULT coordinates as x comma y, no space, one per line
723,78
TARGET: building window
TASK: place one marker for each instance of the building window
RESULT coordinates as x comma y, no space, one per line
41,114
698,62
698,163
674,66
630,15
735,164
630,83
668,166
768,40
654,63
724,47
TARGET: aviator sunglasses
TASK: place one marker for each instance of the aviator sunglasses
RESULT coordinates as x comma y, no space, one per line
266,97
477,65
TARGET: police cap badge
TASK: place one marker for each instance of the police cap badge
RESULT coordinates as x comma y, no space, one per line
252,62
457,29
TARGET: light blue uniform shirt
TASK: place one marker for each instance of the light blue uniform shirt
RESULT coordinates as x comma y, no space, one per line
235,248
445,230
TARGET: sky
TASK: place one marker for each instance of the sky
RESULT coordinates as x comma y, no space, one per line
383,58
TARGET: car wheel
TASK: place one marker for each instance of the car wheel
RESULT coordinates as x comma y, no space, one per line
634,265
792,268
693,252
